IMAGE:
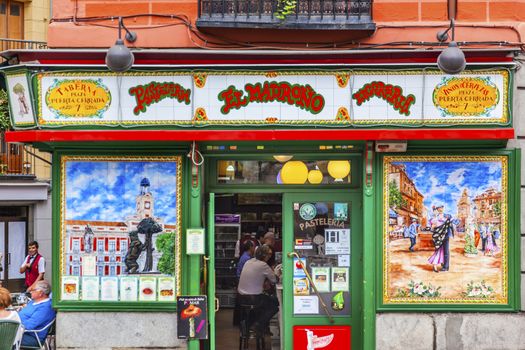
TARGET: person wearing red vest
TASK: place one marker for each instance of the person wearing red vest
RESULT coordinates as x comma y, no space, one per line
33,266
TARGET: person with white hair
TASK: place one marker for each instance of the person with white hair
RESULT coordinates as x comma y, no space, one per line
37,313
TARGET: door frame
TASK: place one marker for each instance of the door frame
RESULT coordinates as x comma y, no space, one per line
354,197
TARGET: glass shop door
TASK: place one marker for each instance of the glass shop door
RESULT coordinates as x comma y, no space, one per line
322,270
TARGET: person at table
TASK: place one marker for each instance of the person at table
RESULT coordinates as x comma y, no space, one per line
33,266
248,249
37,313
10,315
255,272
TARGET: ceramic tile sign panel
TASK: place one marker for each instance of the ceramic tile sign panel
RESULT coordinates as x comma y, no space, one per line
273,98
20,101
106,99
428,97
119,219
445,232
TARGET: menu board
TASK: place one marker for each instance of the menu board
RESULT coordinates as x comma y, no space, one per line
322,239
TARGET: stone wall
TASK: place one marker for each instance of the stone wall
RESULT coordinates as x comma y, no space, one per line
117,330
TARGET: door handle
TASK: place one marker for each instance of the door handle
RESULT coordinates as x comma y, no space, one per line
303,267
217,306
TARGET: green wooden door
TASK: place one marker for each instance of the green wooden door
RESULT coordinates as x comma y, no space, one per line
323,230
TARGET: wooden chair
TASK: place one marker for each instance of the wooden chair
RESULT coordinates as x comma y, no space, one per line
8,330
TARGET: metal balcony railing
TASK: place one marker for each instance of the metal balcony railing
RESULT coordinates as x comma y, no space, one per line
308,14
16,160
16,44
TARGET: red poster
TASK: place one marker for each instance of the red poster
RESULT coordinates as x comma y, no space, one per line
321,337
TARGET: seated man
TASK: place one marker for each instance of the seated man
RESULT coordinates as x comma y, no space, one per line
255,272
38,313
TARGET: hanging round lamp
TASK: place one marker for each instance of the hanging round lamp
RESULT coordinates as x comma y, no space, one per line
338,169
315,176
294,173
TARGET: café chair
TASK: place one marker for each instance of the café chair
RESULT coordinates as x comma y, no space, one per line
8,330
49,342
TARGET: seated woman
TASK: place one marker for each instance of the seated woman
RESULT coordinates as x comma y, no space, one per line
251,291
5,302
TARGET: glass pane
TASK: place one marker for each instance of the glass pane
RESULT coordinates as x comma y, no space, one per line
292,172
17,247
322,239
14,10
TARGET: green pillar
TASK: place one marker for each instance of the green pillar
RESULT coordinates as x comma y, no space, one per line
370,180
195,220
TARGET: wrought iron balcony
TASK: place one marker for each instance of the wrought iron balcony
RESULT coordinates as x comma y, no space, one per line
16,44
303,14
17,161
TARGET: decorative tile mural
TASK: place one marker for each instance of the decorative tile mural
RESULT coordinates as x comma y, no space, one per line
445,235
120,228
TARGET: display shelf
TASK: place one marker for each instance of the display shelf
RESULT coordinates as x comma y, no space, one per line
226,236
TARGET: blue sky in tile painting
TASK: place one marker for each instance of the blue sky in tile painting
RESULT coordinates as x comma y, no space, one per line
106,191
442,183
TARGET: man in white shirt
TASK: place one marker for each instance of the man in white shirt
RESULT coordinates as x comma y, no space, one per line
251,291
33,266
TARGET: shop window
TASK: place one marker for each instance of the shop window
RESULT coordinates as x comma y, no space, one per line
129,254
291,172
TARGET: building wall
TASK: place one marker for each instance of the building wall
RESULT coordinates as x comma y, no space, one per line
476,21
36,20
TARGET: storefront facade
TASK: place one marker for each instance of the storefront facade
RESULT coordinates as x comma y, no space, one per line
143,160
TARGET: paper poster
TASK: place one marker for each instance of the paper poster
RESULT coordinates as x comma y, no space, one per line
129,288
297,270
306,305
341,211
90,288
337,241
301,286
194,241
109,288
89,265
339,279
343,260
147,288
321,278
70,288
192,317
166,289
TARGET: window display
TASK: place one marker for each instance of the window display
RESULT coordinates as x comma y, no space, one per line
120,228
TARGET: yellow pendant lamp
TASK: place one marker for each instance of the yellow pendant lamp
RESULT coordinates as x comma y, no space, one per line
339,169
294,172
315,176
